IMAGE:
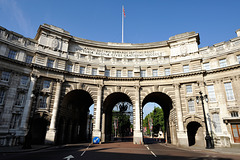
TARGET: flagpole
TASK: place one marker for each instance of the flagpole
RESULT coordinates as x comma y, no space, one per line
122,22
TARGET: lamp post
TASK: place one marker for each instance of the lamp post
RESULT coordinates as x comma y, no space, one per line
209,144
28,137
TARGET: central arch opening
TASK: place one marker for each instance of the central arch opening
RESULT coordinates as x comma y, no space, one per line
117,118
164,102
75,122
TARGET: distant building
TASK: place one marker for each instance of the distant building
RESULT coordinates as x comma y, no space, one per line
48,84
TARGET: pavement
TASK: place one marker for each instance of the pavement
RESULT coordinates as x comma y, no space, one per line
233,150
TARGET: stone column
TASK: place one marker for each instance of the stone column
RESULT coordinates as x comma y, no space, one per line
96,130
51,133
181,134
27,108
137,135
103,127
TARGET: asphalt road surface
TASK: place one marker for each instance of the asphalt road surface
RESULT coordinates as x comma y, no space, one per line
117,151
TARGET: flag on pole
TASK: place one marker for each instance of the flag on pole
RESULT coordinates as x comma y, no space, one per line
124,12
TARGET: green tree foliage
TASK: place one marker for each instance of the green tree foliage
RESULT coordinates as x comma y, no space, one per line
157,118
124,124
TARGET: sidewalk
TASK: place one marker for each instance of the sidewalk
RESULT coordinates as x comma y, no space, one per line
18,149
235,149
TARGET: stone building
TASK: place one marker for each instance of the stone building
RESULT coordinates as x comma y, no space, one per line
48,84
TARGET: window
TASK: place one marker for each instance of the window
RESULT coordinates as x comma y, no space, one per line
167,71
211,93
94,71
222,63
189,88
155,72
191,108
24,81
15,121
216,123
82,70
238,59
2,95
206,66
46,84
229,91
234,114
43,102
29,59
12,54
130,73
50,63
20,99
107,72
69,67
5,76
143,73
186,68
119,73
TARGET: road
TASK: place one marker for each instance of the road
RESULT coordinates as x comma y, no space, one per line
117,151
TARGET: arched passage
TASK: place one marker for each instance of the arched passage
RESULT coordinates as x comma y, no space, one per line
195,134
108,105
165,102
74,118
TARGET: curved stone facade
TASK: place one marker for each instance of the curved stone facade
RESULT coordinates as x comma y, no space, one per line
67,74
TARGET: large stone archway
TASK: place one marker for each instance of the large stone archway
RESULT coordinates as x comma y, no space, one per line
108,104
74,118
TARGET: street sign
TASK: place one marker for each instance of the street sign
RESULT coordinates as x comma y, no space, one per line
96,140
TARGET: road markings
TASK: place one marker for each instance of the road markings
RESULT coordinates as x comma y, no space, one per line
150,150
85,150
153,154
68,157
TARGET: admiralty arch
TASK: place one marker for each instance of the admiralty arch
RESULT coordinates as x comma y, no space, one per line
48,84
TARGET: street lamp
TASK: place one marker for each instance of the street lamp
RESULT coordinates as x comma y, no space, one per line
209,142
28,137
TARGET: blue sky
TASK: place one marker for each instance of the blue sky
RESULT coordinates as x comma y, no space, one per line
146,20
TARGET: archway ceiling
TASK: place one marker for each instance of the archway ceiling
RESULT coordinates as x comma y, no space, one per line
113,99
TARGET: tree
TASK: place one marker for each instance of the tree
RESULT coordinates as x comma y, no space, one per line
157,117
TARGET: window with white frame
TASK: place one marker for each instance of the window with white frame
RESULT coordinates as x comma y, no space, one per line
29,59
20,99
216,122
12,54
107,72
229,91
130,73
189,88
94,71
46,84
5,76
24,80
206,66
82,70
155,72
50,63
222,63
211,93
167,71
191,108
186,68
43,102
15,121
238,59
143,73
234,114
118,73
2,95
69,67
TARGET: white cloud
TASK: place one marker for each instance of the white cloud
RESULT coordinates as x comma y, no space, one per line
12,10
